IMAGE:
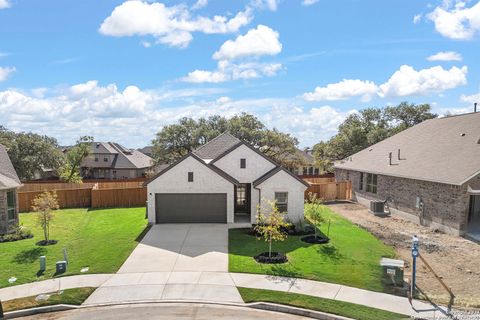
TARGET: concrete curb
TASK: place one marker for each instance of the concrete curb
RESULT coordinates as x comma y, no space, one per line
256,305
295,311
38,310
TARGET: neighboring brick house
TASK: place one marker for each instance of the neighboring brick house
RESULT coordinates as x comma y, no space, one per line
308,167
9,183
109,160
429,173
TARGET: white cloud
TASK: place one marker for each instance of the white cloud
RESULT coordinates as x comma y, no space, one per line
200,4
445,56
271,5
456,21
5,72
471,99
417,18
132,116
309,2
4,4
169,25
227,71
342,90
404,82
256,42
408,81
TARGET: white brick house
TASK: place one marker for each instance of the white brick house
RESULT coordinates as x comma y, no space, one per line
223,181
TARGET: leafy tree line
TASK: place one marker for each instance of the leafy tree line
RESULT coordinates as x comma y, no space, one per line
367,127
31,153
176,140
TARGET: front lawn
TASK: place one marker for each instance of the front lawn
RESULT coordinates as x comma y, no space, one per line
98,239
351,257
70,296
345,309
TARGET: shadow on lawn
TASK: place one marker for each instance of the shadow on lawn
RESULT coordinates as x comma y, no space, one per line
330,252
29,256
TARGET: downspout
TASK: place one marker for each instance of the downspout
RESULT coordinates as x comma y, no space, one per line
259,199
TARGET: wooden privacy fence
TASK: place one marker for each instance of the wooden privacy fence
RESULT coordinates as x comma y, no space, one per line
331,191
127,197
67,198
93,194
319,180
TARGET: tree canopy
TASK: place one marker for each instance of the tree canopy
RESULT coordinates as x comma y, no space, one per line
31,153
176,140
70,171
367,127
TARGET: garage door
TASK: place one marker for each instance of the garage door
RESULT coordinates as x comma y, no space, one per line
191,208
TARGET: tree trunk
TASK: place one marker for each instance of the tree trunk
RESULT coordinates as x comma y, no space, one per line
45,233
270,248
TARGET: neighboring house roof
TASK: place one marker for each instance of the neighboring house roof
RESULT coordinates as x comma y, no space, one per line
123,158
211,167
148,150
444,150
273,172
216,146
8,177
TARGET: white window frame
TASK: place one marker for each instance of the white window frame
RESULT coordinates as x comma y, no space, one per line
283,205
372,183
12,208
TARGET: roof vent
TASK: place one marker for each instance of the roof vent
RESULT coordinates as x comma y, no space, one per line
463,134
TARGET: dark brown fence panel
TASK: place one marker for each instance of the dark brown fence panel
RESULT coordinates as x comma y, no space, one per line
129,197
67,198
331,191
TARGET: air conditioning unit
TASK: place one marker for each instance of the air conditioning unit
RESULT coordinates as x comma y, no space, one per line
377,208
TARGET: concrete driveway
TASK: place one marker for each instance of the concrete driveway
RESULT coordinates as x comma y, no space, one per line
181,247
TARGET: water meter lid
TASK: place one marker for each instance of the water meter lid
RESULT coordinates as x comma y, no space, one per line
387,262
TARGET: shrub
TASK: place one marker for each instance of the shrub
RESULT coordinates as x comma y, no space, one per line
20,233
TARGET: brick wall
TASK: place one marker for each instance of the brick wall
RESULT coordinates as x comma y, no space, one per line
445,206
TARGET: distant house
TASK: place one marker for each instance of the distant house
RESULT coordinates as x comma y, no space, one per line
109,160
429,173
147,151
223,181
9,183
308,168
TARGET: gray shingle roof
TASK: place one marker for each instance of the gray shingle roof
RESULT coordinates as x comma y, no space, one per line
8,176
124,158
445,150
216,146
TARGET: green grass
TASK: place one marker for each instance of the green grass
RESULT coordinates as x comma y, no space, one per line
70,296
345,309
352,257
99,239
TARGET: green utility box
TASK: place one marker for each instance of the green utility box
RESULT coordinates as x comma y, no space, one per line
392,272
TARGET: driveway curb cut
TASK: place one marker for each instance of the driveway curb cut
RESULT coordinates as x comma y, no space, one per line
256,305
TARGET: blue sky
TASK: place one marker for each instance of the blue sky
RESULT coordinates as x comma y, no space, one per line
120,70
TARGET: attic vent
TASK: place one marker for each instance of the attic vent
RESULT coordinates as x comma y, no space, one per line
98,145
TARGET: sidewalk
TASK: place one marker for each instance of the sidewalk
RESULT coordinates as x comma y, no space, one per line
206,287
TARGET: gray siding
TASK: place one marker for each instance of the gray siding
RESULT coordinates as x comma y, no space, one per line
445,206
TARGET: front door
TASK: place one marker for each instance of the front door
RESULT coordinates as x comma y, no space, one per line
242,198
474,213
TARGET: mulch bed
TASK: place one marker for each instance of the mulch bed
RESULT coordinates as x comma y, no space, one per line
275,258
46,243
315,240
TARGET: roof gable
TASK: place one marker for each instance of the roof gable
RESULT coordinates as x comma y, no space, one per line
443,150
194,156
273,172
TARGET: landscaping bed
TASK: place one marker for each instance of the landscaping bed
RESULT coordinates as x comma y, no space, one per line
98,239
273,258
351,257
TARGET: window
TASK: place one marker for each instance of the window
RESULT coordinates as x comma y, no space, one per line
317,171
243,163
11,205
96,159
310,171
105,159
371,183
305,171
190,177
281,199
360,183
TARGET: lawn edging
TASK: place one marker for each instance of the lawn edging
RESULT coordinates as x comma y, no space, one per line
39,310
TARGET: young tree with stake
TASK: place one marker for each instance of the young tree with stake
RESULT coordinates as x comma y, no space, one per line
44,205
